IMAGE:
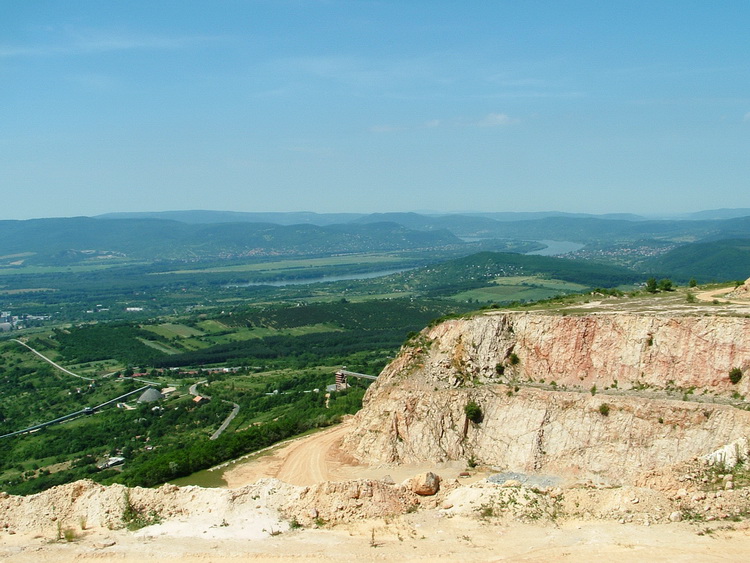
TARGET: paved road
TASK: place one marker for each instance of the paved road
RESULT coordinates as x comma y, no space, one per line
83,411
193,390
227,421
58,366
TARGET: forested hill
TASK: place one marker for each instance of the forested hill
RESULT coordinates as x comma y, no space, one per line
592,229
709,261
70,240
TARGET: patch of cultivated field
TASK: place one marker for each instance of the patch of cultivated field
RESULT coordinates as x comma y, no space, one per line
520,288
171,330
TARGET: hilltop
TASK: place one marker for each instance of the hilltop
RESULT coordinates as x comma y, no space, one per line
613,428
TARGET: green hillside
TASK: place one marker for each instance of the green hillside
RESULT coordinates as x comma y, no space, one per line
86,240
721,260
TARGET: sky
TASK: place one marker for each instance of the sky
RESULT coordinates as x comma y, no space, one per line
373,106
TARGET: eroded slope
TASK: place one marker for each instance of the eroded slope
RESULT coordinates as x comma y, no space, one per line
604,396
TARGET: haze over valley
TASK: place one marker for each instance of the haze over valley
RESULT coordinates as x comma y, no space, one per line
406,281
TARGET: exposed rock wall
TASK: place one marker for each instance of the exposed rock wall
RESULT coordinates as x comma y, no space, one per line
415,411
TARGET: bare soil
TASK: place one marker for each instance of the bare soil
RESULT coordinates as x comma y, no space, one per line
449,527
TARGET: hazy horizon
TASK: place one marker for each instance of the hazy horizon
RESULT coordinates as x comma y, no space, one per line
714,212
339,107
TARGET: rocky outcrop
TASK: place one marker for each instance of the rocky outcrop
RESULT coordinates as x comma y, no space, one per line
741,292
268,502
581,396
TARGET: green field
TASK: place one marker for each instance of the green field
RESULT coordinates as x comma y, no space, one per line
519,288
171,330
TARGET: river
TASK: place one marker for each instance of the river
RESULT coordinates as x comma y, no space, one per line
557,247
326,279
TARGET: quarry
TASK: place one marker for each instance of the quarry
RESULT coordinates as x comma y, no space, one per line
523,435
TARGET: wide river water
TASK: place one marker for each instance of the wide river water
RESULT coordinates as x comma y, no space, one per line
305,281
554,248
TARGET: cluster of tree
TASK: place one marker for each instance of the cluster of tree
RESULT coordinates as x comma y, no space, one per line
176,436
294,351
714,261
665,284
178,460
121,341
364,315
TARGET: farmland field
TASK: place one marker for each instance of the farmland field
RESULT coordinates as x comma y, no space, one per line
520,288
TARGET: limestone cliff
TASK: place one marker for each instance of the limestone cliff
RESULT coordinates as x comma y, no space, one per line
605,396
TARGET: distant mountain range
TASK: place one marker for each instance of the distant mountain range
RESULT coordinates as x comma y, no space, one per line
56,241
580,228
220,235
323,219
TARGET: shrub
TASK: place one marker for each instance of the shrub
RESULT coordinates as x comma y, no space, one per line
514,359
604,409
134,519
666,284
473,412
735,374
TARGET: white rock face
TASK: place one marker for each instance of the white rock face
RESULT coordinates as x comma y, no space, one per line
415,411
731,454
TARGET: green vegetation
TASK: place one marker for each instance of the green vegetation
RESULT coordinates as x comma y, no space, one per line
735,374
282,356
134,518
474,412
176,304
720,260
652,286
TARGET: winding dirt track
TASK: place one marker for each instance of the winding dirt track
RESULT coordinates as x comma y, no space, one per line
303,461
718,294
317,458
310,461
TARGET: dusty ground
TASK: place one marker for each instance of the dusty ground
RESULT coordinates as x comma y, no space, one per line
449,529
420,537
317,458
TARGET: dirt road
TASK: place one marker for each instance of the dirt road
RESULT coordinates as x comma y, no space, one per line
302,461
317,458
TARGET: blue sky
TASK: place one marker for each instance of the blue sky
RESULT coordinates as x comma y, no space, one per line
372,106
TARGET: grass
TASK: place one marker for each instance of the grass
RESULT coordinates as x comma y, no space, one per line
519,288
158,346
134,518
639,302
171,330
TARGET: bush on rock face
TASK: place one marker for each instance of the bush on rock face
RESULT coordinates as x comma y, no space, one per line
474,412
735,374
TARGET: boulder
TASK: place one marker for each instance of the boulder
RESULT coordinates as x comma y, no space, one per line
425,484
